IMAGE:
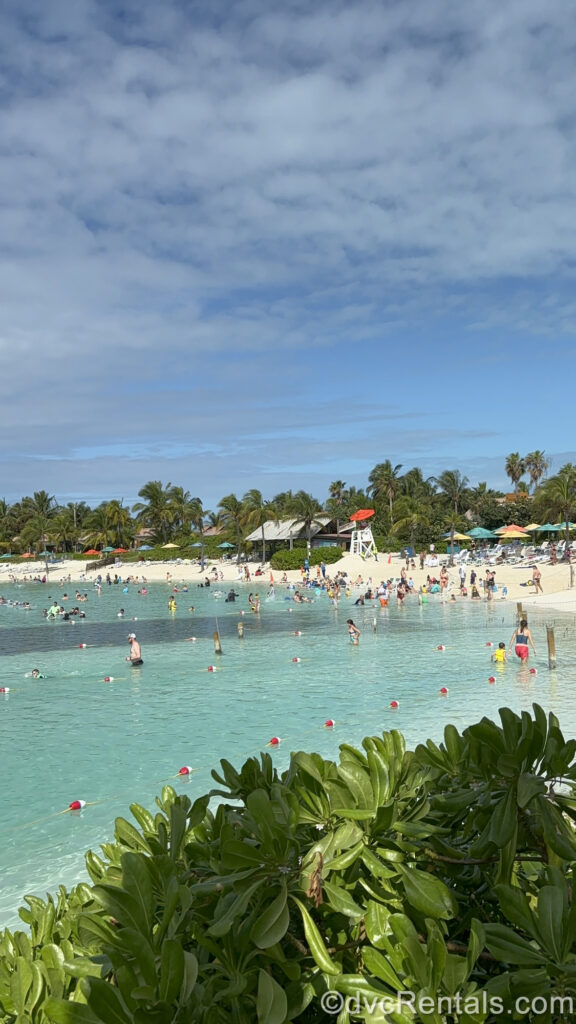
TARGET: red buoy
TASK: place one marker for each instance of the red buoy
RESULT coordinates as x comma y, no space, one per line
76,805
192,639
108,679
491,679
443,690
4,689
296,659
394,704
298,633
489,643
212,668
186,770
274,741
532,671
440,647
82,645
329,723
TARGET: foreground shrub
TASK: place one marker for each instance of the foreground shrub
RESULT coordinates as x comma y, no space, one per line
446,870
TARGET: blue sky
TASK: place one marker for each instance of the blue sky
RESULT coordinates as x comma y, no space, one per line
254,244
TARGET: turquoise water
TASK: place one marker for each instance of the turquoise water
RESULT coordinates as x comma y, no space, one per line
73,736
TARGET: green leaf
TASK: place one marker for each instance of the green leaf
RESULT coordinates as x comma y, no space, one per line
341,901
21,983
516,907
62,1011
428,894
510,947
272,923
237,908
171,970
105,1001
529,786
552,912
376,923
377,964
271,1003
190,976
315,942
504,819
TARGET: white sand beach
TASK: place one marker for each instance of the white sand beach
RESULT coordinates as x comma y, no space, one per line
555,578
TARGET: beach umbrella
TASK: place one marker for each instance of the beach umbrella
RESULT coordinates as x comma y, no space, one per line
27,554
197,544
43,554
108,549
532,527
92,551
170,545
119,551
226,544
457,536
506,529
562,526
145,547
549,528
513,535
480,533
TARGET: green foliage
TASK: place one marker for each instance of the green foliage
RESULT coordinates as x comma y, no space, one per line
444,870
294,559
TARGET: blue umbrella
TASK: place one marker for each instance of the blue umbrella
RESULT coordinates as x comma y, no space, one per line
197,544
226,544
9,555
145,547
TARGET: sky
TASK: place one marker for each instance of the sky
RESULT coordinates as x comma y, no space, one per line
261,244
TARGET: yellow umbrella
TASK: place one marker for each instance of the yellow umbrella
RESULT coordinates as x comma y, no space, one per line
533,526
459,536
169,545
513,535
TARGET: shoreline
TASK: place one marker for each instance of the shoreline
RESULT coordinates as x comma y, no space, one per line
555,578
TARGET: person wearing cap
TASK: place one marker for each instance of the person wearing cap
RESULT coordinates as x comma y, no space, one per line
135,656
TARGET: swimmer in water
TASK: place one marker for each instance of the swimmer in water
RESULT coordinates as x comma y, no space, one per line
499,655
36,674
353,632
135,656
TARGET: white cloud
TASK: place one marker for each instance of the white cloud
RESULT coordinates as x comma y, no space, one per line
228,195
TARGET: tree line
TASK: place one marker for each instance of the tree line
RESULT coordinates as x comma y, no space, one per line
409,509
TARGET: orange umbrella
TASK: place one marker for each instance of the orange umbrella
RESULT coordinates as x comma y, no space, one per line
92,551
512,528
28,554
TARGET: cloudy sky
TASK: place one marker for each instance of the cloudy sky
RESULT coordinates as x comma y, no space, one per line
270,244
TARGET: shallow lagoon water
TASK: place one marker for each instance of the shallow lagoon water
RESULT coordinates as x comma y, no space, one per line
73,736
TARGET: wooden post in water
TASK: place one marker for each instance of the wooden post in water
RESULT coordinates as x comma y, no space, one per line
217,645
520,611
375,624
551,646
240,629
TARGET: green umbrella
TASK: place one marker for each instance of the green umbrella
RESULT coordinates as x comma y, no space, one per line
108,549
44,554
549,528
226,544
9,555
197,544
562,526
479,533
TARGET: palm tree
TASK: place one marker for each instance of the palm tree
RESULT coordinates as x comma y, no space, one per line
183,509
337,491
197,517
536,465
515,466
413,517
454,486
558,498
119,521
98,529
257,513
40,504
414,485
231,514
306,512
156,510
384,482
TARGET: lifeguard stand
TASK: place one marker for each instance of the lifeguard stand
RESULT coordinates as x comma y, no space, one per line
362,540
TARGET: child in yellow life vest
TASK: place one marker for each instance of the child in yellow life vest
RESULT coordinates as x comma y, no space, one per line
499,655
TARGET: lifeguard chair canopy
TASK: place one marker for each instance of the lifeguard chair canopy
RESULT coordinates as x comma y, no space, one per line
362,540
